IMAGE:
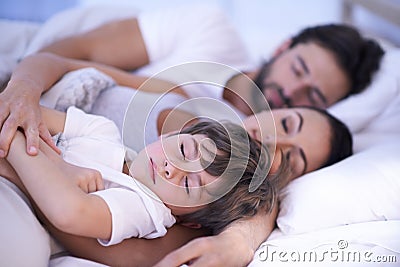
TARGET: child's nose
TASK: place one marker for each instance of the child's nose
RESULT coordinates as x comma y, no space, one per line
171,171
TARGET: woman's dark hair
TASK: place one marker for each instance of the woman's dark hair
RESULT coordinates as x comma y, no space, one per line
359,57
341,140
240,158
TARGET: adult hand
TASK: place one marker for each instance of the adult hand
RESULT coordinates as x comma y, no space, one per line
19,108
226,249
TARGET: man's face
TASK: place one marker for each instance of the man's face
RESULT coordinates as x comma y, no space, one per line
305,75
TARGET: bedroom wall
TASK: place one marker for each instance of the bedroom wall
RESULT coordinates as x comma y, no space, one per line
370,22
36,10
275,19
262,23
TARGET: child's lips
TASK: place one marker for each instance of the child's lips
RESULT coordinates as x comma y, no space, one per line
152,167
254,134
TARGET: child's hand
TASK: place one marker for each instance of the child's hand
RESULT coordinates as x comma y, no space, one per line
88,180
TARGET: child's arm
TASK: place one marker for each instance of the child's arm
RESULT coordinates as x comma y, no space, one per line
64,204
88,180
54,120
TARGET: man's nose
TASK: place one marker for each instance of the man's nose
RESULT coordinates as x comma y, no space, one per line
296,94
297,86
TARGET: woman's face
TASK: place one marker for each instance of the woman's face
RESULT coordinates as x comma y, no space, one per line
301,134
171,168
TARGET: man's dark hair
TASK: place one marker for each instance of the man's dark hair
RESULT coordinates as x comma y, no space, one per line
359,57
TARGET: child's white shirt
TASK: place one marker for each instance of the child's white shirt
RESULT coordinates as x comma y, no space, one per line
94,142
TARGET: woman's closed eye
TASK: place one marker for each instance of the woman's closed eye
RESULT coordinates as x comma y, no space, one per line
292,124
288,124
297,162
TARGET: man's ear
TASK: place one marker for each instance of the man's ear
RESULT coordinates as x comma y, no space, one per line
283,47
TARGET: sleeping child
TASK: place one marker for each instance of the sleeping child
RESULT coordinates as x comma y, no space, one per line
198,177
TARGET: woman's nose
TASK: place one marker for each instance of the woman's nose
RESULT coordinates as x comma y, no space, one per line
283,142
278,140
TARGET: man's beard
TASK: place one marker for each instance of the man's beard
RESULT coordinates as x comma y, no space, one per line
262,75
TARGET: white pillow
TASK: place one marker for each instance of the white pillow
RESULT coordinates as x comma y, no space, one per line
357,111
364,187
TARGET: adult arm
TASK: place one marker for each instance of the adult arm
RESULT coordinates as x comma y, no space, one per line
117,43
130,252
19,102
235,246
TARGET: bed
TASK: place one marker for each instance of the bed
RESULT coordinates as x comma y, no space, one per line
347,214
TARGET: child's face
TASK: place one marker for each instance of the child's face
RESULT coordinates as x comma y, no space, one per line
171,168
